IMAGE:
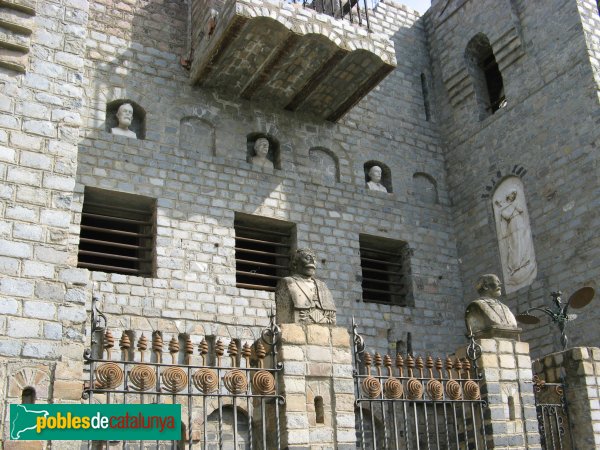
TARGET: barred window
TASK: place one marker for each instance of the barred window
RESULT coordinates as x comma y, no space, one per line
262,251
117,232
385,270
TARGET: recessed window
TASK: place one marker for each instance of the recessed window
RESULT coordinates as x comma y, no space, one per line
117,232
319,410
28,396
425,92
486,76
262,251
385,270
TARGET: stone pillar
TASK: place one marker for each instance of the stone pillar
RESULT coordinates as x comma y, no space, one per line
579,369
318,387
511,421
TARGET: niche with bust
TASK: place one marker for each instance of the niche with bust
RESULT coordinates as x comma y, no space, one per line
262,151
378,176
126,118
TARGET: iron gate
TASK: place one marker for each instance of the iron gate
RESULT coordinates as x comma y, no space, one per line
416,403
232,405
552,414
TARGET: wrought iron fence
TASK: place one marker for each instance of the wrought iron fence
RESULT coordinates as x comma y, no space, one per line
231,405
350,10
416,403
552,414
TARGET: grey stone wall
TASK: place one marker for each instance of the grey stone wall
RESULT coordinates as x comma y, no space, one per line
42,298
547,134
199,190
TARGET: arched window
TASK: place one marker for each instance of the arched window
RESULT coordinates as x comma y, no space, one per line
319,410
28,395
486,76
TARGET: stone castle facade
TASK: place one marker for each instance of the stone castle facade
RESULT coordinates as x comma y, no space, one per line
446,130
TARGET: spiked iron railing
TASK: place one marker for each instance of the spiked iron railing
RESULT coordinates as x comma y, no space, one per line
553,414
350,10
203,389
415,402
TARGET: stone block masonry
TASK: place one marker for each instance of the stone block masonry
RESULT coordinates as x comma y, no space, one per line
318,387
40,102
579,370
505,368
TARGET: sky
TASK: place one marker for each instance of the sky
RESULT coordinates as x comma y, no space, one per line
419,5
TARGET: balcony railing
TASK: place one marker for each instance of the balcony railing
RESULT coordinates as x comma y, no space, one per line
350,10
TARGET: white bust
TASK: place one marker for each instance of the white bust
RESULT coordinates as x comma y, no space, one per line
374,183
124,116
261,150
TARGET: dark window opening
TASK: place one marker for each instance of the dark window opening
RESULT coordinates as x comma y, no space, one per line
511,408
28,396
262,251
385,270
485,76
319,410
493,79
425,91
117,233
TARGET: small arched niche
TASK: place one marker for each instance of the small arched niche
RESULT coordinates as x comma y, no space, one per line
425,188
386,173
28,396
196,135
324,163
138,123
485,74
273,155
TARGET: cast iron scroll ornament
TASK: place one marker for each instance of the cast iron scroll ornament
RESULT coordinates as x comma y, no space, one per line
414,388
392,387
109,375
205,380
142,377
174,379
453,390
434,388
471,388
263,382
370,385
235,380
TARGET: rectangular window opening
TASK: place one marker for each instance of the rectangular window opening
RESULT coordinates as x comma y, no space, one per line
117,233
385,270
262,251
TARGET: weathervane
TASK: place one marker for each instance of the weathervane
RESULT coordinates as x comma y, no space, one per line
559,315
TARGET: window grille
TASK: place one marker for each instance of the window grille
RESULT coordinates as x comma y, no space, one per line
262,251
117,233
385,276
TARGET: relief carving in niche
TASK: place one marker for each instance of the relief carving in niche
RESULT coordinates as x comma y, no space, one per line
514,235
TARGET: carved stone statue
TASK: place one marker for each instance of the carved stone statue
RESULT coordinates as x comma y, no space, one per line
124,116
301,298
375,180
514,235
487,316
261,150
